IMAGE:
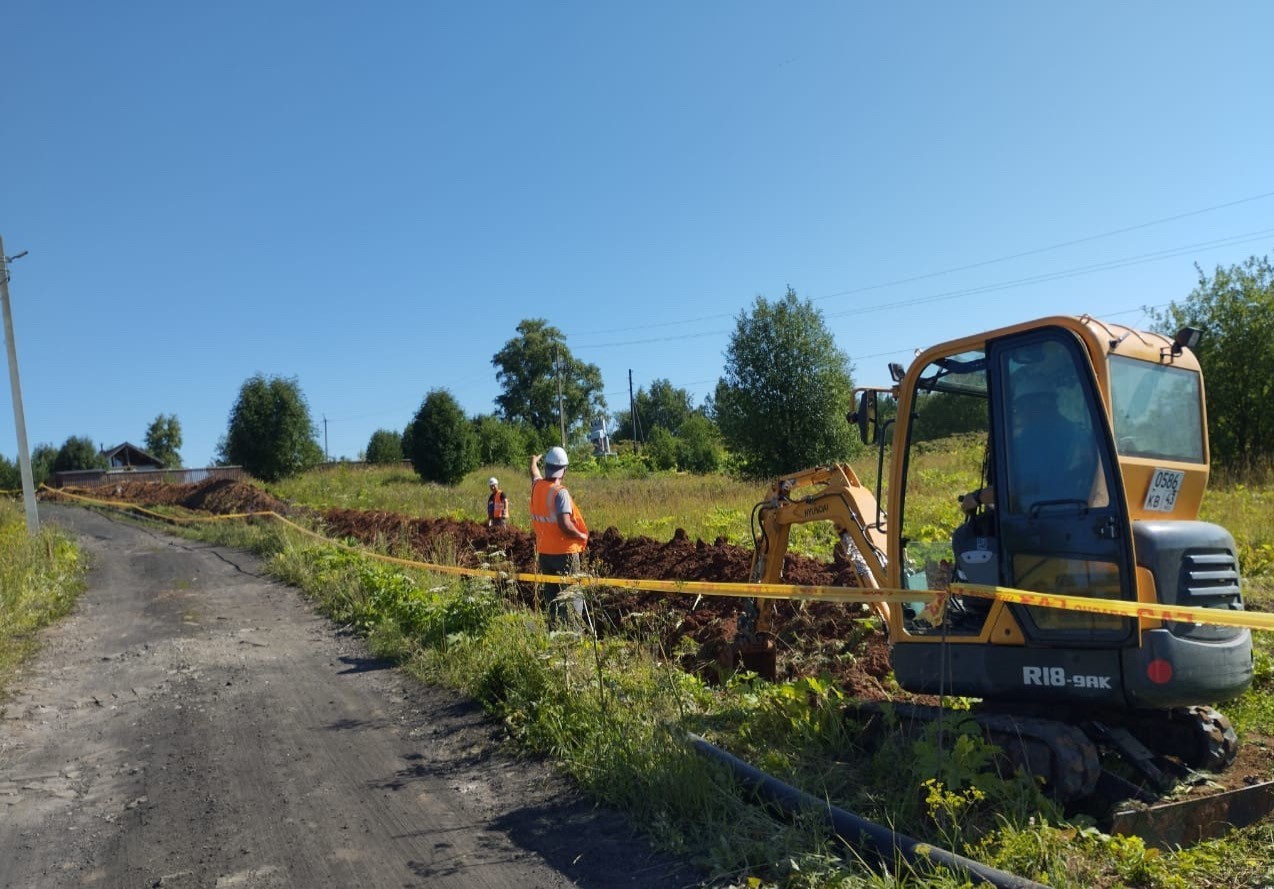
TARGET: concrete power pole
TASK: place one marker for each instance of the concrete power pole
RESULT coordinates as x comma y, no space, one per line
19,421
632,414
561,411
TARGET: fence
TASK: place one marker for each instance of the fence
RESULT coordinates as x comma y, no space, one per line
91,478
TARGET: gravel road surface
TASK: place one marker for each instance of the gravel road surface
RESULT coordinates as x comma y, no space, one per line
195,724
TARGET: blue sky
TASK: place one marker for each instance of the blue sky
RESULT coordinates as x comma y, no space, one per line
370,199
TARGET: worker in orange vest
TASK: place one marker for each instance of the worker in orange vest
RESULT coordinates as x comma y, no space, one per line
560,532
497,505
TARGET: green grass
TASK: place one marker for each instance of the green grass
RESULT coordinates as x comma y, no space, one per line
40,578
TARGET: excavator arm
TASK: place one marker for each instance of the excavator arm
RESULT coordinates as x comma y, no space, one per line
822,494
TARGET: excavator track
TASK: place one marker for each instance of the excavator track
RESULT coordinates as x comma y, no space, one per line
1201,737
1059,753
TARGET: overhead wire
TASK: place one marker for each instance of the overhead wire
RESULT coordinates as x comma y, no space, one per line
1123,262
980,264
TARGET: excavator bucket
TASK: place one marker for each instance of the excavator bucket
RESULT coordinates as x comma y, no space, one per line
1181,823
760,658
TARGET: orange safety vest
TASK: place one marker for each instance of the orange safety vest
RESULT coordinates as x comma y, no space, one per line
549,538
498,505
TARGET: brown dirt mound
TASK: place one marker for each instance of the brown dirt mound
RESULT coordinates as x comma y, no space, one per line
219,496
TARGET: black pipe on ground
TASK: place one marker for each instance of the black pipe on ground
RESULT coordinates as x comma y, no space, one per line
864,835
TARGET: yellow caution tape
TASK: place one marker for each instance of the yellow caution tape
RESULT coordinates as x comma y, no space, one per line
1252,620
816,593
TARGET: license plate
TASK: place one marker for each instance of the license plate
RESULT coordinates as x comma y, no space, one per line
1165,485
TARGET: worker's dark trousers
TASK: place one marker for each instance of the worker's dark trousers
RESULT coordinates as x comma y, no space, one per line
563,603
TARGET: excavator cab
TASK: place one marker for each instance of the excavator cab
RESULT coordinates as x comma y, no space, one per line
1064,509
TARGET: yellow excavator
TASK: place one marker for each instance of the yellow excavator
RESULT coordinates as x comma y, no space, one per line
1090,464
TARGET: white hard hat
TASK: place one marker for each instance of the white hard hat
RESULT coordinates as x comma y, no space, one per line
555,461
493,481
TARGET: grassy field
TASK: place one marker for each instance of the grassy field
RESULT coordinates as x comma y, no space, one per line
40,578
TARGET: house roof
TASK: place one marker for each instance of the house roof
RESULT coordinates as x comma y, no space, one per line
128,454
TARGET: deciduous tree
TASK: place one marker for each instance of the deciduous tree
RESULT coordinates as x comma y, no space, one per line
163,440
78,452
663,406
700,445
10,474
782,401
270,433
42,457
385,446
1235,310
501,442
537,374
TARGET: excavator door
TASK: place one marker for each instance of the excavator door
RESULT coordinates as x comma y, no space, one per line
1055,522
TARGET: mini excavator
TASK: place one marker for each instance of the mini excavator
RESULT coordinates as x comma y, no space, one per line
1092,466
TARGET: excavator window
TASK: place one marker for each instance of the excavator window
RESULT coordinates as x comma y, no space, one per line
1022,425
1059,527
1157,409
950,415
1053,460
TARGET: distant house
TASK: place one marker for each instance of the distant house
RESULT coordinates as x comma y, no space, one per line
129,456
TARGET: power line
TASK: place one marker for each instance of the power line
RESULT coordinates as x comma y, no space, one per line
1124,262
1233,240
1038,250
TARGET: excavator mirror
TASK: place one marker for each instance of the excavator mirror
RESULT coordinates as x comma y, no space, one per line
865,416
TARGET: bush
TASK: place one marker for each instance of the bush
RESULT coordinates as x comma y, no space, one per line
10,475
385,446
500,442
444,447
78,452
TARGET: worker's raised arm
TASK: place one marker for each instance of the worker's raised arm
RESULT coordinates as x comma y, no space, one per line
535,467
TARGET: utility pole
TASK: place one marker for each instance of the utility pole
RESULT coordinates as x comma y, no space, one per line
326,456
561,411
19,420
632,413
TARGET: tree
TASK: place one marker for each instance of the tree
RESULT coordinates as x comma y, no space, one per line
42,458
78,452
270,433
532,368
663,406
700,445
782,402
661,449
940,414
1235,310
444,447
10,474
163,440
500,442
385,446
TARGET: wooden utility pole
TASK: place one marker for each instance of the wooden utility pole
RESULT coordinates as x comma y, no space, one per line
19,420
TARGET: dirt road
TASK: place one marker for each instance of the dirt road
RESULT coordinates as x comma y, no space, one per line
195,724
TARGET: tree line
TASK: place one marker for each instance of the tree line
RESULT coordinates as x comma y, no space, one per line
779,405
